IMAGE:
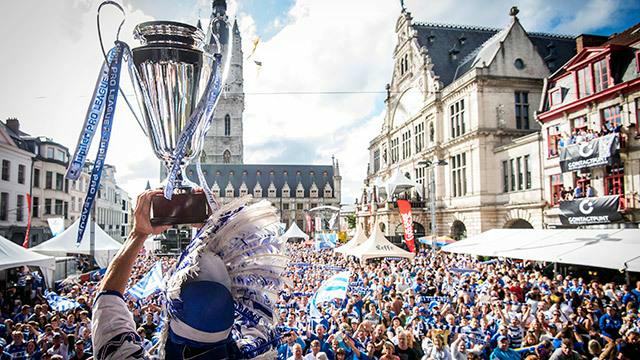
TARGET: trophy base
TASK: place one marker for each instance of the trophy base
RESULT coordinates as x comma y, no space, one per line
184,208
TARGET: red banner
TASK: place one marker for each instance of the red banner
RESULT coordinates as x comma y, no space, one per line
25,243
407,223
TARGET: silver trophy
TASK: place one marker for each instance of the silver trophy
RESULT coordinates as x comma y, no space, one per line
170,72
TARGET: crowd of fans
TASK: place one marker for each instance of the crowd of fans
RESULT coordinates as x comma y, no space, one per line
438,306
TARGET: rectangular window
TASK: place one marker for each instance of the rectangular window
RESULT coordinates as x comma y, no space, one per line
376,161
456,113
406,144
73,203
36,207
459,174
553,141
555,97
66,210
505,176
601,74
47,206
527,171
6,169
520,173
20,208
36,178
4,206
299,206
394,150
59,207
59,182
612,117
585,84
285,206
512,172
522,109
580,123
419,131
50,152
60,155
21,170
614,182
48,182
556,188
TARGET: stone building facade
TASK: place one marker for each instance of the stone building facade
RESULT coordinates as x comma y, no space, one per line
464,97
223,143
594,94
292,189
54,196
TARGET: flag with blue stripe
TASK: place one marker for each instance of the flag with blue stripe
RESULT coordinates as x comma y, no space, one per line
60,303
333,288
149,284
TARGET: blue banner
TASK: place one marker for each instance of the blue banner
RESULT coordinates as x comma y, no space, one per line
105,135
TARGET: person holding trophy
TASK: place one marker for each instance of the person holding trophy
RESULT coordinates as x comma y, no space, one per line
218,299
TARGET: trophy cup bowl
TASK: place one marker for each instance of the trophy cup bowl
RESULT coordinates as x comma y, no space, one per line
171,69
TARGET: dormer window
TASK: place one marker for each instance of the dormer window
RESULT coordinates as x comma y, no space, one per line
228,192
601,74
555,97
286,193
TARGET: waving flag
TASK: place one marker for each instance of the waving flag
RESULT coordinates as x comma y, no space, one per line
333,288
149,284
60,303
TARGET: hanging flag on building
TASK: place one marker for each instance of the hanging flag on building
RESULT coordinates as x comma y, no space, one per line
25,243
407,223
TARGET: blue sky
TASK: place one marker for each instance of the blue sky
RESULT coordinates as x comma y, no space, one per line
306,45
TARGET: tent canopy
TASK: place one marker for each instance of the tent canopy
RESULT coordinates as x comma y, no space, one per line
65,243
399,183
13,255
607,248
294,232
377,246
358,238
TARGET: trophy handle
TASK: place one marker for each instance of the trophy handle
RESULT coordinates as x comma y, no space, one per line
127,54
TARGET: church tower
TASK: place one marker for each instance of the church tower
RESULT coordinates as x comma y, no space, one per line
223,143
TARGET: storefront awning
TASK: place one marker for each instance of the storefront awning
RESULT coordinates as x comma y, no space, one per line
607,248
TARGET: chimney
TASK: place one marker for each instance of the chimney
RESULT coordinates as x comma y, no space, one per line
585,40
13,124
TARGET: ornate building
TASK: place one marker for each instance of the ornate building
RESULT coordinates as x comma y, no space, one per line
463,97
293,189
223,144
591,143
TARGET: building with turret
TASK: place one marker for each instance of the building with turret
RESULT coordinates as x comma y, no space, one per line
459,122
293,189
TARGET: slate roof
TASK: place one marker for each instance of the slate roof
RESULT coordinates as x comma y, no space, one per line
237,173
442,41
626,38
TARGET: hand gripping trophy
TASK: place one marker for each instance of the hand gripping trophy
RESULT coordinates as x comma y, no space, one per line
218,300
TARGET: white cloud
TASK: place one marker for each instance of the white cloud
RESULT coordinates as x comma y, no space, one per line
51,57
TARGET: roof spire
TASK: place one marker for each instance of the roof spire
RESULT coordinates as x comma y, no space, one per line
219,7
148,187
513,12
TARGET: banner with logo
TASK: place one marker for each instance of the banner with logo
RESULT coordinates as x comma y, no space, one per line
407,223
591,210
597,152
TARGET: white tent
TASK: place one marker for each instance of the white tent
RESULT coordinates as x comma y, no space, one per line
377,246
607,248
294,232
399,183
358,238
13,255
65,243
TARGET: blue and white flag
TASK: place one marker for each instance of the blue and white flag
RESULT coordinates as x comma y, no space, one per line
325,241
149,284
60,303
334,287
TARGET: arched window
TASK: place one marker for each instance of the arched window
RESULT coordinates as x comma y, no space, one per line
226,157
227,125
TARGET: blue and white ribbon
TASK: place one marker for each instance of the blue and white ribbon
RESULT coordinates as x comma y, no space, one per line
105,135
205,109
95,110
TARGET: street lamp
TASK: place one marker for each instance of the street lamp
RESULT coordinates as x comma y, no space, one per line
431,165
